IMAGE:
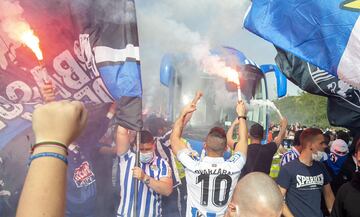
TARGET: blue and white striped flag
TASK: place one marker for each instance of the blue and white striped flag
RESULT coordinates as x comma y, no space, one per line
325,33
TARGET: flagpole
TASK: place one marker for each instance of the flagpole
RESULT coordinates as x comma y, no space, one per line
136,190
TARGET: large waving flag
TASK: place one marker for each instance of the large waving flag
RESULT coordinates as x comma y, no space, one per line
343,99
325,33
90,53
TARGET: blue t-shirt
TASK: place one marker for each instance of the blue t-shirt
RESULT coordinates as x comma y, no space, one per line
81,185
304,186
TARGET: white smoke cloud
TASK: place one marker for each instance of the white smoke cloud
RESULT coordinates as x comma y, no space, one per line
11,21
185,27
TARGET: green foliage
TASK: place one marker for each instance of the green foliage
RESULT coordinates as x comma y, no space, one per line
307,109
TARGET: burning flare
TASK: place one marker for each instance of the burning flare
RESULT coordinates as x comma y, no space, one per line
231,75
32,41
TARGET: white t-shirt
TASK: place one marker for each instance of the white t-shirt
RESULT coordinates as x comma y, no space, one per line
210,182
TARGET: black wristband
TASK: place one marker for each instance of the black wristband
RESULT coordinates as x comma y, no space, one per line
239,117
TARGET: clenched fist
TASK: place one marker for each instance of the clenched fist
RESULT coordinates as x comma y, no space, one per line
60,121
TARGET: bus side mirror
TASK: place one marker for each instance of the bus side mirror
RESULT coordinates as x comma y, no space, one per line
281,80
167,70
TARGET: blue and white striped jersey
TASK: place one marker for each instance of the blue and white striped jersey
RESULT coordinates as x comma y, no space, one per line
149,202
210,182
290,155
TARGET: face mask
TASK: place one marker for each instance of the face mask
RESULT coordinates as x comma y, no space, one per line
320,155
146,157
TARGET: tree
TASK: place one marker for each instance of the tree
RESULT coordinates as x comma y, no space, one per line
307,109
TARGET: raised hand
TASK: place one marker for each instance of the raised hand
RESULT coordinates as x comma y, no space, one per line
60,121
241,108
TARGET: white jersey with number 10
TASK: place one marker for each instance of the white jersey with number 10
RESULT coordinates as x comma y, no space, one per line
210,182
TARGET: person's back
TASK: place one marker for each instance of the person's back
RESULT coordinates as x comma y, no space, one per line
259,157
210,181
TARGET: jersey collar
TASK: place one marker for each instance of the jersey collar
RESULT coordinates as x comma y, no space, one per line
213,159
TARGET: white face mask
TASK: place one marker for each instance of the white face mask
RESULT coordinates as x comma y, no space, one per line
319,155
146,157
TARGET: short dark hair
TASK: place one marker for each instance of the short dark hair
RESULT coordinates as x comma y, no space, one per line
343,135
309,134
297,138
146,137
257,131
216,139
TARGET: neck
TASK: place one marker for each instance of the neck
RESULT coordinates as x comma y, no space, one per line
255,141
306,157
214,154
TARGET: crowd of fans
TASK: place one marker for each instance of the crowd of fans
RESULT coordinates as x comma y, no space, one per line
317,175
339,159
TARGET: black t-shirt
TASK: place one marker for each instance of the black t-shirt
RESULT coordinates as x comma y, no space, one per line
259,158
347,202
304,186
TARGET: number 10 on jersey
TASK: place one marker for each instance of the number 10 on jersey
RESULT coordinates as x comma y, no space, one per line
204,179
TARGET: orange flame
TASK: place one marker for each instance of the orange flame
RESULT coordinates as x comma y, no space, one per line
32,41
232,75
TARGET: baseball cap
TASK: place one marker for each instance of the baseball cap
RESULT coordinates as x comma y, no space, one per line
257,131
339,147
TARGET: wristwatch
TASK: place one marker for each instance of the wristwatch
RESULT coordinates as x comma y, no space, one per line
147,180
239,117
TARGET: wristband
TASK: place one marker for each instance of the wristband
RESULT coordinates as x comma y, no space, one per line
52,146
48,154
239,117
48,143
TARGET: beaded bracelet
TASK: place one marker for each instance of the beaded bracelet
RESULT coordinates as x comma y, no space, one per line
48,154
58,144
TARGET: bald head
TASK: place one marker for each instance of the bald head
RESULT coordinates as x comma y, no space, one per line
256,195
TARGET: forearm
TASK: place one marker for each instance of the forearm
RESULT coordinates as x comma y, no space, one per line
278,140
175,138
329,200
242,145
44,189
161,187
229,136
122,140
286,211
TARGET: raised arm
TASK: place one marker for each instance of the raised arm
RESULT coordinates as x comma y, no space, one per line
242,145
122,140
175,139
44,188
283,124
229,135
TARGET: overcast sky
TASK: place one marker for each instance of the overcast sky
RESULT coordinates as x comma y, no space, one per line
173,26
